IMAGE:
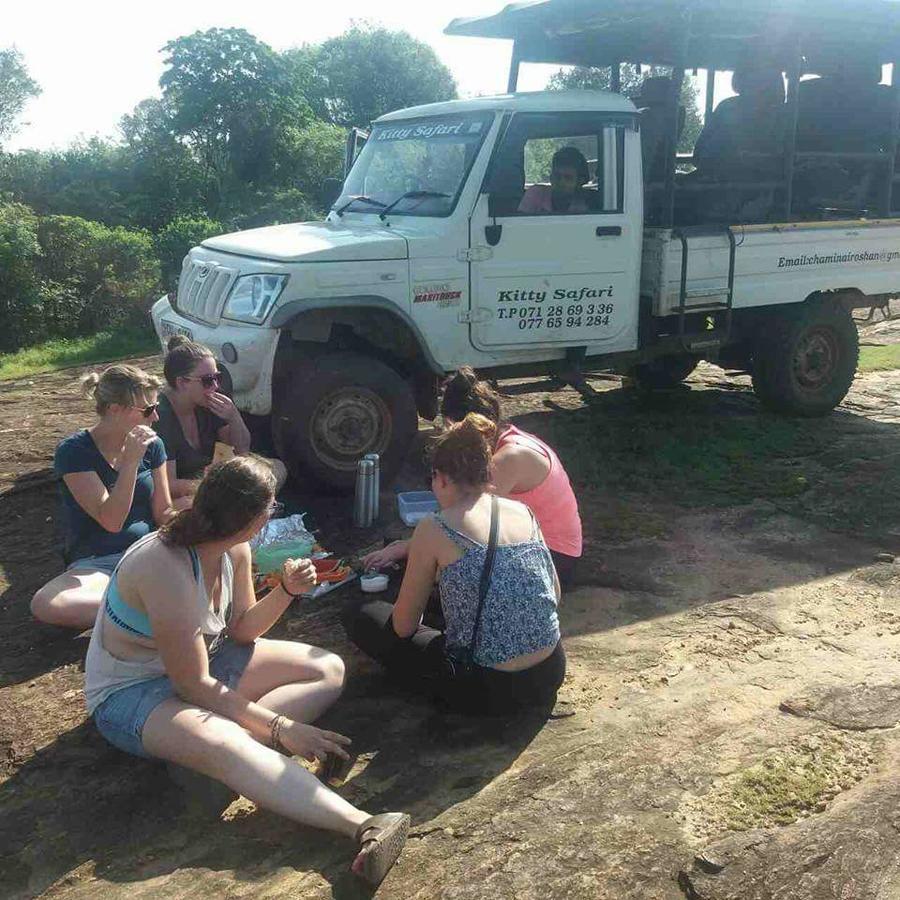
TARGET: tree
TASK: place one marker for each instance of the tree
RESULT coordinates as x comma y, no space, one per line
20,304
17,87
173,242
86,179
228,94
305,157
631,80
367,71
165,179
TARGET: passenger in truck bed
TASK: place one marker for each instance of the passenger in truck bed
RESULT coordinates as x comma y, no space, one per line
846,109
652,104
751,122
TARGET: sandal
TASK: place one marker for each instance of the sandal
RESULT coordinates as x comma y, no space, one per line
387,833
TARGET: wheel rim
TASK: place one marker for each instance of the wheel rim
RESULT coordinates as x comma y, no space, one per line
815,359
348,424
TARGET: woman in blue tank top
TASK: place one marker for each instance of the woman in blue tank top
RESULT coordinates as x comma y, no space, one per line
178,667
514,640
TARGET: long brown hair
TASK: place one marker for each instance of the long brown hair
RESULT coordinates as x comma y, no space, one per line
119,384
231,495
182,356
463,452
464,394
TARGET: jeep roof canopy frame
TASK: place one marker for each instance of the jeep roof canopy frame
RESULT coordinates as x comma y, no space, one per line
712,35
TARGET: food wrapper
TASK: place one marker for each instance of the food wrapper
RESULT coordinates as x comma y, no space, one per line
280,540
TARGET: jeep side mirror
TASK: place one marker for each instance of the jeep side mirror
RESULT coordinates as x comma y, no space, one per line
331,190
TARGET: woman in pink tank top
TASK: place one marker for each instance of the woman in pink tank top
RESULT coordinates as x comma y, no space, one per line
524,468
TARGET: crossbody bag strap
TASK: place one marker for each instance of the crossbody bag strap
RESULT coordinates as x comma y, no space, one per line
487,570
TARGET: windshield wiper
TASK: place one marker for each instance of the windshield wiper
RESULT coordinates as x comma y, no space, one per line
409,195
361,199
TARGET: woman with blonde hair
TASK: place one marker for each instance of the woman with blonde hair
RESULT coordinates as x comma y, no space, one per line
113,489
501,649
177,668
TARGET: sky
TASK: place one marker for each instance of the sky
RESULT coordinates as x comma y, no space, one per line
96,59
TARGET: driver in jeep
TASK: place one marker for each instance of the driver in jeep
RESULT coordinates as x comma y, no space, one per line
565,193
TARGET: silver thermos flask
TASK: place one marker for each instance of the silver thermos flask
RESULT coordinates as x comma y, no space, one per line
362,515
375,489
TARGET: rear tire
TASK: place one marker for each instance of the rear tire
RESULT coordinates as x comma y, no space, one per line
336,409
805,361
664,371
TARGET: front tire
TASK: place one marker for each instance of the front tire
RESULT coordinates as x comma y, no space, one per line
805,361
338,408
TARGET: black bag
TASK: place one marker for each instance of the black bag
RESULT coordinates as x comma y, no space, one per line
460,660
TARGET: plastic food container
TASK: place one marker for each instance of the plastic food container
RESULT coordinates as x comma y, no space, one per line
373,584
415,505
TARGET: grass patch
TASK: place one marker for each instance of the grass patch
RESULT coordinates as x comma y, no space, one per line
63,352
879,359
790,785
694,454
702,449
786,785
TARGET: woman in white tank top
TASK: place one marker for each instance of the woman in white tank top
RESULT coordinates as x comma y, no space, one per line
177,668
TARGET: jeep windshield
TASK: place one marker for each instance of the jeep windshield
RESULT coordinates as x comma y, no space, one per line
416,167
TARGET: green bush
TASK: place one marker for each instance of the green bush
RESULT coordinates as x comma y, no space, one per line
107,277
273,207
306,156
174,241
20,295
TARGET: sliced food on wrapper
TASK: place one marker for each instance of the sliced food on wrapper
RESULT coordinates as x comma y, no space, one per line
283,539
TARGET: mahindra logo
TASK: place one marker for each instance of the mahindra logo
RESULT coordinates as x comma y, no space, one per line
203,272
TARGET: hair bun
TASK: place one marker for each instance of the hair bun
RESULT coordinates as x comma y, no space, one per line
89,384
482,425
177,340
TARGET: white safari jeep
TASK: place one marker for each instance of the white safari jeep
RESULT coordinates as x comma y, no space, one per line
342,329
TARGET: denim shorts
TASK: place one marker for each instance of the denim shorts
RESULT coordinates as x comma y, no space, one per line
104,564
121,716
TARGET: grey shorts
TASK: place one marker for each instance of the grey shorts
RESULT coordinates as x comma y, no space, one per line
120,718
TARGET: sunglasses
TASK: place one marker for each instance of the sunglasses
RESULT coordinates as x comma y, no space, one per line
147,410
276,509
207,381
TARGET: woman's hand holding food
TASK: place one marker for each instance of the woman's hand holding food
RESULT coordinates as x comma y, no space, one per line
136,443
298,576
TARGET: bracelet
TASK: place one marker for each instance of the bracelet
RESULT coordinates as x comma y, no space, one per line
290,594
275,727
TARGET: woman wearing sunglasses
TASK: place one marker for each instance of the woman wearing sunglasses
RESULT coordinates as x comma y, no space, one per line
114,490
194,414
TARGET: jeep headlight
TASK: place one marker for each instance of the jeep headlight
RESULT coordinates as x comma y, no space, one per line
252,297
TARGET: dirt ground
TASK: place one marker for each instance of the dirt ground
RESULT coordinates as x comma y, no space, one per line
727,728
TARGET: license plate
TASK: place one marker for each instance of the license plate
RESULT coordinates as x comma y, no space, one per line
170,329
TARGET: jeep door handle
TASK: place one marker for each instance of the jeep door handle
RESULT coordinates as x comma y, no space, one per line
609,231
